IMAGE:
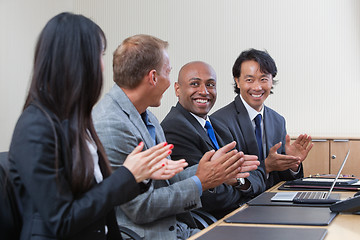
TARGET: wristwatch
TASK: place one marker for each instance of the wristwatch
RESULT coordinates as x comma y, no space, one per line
240,182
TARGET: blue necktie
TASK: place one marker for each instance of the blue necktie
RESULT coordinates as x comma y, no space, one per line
258,136
149,126
211,134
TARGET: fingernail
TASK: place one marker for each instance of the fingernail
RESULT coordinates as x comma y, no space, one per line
171,146
165,144
169,152
140,143
163,165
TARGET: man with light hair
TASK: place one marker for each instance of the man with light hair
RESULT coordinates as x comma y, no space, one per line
141,68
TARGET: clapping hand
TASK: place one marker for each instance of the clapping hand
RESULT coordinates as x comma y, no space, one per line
153,162
280,162
300,148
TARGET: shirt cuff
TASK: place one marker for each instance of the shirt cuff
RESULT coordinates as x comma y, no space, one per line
249,189
293,172
198,184
146,181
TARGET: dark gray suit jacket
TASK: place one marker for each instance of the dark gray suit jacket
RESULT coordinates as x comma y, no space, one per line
191,142
236,118
50,210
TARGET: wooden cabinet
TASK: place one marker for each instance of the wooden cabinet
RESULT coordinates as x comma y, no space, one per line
327,155
338,150
317,161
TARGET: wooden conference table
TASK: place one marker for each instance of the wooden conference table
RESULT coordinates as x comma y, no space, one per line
344,226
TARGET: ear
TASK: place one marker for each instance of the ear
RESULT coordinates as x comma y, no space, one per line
177,88
237,80
152,78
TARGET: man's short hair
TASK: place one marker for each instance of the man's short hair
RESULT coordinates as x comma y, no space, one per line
267,64
135,57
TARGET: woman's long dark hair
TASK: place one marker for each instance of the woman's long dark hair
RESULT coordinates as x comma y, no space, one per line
67,79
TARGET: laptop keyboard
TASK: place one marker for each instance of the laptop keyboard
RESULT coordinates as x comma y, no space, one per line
311,195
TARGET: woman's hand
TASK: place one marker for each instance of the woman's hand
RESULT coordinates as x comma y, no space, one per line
171,168
152,163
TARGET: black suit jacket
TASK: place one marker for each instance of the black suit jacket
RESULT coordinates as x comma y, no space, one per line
191,142
236,118
50,210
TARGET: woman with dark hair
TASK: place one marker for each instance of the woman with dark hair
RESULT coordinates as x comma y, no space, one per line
57,163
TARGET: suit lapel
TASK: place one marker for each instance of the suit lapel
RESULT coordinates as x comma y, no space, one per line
246,127
128,107
223,137
194,122
268,131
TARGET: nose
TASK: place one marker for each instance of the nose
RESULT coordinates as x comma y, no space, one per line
203,89
257,86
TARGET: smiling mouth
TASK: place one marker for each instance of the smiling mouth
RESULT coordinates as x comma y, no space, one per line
201,100
257,95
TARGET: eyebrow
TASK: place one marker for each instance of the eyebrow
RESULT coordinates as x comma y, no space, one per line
199,79
248,76
263,75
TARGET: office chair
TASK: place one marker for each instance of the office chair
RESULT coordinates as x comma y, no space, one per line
200,222
203,219
10,214
127,233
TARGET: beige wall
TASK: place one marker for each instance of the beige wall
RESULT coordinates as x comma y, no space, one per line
20,23
316,45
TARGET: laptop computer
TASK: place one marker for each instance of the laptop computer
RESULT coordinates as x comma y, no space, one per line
311,197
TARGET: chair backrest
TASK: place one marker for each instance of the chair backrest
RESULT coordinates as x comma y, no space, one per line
10,216
127,234
202,219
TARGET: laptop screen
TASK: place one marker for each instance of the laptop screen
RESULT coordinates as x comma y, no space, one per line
338,174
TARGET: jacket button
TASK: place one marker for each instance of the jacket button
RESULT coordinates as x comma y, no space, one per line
171,228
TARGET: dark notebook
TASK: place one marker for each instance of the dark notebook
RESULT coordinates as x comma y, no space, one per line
314,216
291,185
262,233
324,182
264,199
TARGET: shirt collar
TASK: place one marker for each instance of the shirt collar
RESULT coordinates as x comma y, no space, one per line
252,112
201,120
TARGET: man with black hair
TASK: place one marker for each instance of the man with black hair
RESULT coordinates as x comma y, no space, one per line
259,130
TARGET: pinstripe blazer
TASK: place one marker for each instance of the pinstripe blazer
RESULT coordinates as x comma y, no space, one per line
152,214
236,118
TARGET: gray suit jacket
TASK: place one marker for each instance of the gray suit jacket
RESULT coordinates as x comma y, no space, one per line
236,117
152,214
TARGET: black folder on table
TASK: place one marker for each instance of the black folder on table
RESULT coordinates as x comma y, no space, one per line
283,215
261,233
264,199
346,184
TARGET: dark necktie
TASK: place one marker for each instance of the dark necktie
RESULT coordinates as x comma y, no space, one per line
258,136
149,126
211,134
